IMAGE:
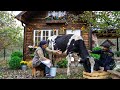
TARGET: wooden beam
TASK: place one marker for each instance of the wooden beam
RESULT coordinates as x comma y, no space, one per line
90,39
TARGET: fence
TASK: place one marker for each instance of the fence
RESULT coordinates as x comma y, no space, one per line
6,52
114,48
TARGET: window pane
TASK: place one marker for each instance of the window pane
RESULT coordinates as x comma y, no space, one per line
46,38
38,39
35,43
47,33
35,33
43,33
43,38
39,33
35,38
51,33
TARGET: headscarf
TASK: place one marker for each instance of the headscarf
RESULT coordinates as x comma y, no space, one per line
43,42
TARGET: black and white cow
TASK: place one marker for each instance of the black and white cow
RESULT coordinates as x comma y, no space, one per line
70,44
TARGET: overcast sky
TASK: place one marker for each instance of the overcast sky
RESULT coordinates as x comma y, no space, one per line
16,13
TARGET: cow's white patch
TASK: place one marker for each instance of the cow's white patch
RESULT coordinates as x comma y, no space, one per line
72,59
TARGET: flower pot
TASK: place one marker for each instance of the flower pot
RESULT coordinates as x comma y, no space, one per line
24,67
53,71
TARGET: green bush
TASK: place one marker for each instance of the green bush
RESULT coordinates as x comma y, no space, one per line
117,53
96,48
17,53
62,63
95,56
14,62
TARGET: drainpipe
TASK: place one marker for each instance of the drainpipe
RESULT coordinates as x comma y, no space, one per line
23,41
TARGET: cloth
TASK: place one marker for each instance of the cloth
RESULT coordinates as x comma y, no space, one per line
47,63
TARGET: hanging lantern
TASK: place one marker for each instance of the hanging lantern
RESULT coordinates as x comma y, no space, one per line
72,28
28,28
39,31
54,30
63,28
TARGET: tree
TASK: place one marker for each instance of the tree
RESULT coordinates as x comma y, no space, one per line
98,20
10,33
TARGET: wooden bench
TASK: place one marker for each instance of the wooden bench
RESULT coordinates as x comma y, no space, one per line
114,74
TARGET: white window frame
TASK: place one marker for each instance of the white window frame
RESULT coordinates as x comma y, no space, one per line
41,35
73,31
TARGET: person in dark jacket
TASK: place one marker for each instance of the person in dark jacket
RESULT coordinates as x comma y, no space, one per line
106,61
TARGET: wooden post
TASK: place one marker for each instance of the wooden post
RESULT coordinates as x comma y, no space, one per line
24,57
90,39
117,44
4,53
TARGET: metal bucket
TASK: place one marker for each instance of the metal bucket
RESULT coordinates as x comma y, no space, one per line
24,67
53,71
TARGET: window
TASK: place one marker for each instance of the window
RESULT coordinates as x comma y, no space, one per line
76,32
56,13
42,35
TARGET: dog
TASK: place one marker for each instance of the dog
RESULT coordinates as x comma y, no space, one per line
34,70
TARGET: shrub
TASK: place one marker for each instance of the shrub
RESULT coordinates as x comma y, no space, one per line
62,63
97,48
117,53
14,62
17,53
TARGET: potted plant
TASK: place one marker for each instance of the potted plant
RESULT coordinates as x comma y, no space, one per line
23,65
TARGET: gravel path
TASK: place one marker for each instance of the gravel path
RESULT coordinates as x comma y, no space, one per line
6,73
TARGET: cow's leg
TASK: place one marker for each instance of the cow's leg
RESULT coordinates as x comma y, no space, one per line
86,65
92,63
76,58
68,65
51,58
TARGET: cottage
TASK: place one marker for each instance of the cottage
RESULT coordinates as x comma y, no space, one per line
39,25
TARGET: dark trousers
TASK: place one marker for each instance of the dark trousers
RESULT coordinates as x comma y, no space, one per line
98,64
44,68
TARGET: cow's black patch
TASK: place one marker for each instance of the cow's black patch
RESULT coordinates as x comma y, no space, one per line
62,41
